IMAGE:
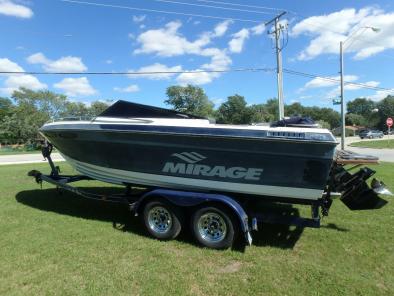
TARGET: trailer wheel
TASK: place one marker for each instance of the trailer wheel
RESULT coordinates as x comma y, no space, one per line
214,227
162,220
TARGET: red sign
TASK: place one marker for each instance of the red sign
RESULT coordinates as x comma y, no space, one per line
389,122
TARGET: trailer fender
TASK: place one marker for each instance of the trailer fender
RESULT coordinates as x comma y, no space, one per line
188,199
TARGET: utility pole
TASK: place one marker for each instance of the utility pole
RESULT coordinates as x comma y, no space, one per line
343,128
341,52
279,73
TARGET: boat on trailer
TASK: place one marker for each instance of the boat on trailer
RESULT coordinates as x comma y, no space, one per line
136,144
185,160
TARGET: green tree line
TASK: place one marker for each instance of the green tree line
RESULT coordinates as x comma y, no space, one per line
26,111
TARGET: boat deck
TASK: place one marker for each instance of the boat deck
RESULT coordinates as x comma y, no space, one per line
343,157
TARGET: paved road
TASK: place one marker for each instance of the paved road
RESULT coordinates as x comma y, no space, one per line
26,158
383,154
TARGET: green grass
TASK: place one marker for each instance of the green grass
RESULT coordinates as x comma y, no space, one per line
381,144
54,244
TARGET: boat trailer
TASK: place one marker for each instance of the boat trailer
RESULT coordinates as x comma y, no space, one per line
350,188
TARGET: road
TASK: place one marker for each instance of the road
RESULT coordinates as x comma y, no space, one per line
27,158
383,154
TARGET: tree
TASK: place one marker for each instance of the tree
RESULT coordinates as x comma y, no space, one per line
5,107
355,119
361,106
385,109
190,99
272,106
260,113
97,107
323,124
75,109
30,111
235,111
295,109
44,101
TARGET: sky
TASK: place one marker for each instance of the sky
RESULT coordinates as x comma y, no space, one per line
166,35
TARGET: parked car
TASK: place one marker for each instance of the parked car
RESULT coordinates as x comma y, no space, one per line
389,133
370,134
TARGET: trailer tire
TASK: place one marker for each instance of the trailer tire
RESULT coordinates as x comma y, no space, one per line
162,219
214,227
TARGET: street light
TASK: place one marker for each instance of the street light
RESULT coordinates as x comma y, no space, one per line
341,50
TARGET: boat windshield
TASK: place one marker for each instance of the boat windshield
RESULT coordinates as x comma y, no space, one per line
125,109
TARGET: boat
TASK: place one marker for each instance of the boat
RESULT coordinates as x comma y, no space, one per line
137,144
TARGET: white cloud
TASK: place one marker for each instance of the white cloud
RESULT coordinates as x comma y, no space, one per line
327,31
219,61
259,29
196,78
139,18
9,8
15,81
169,42
369,51
217,101
76,87
349,87
237,43
319,82
222,28
380,95
9,66
64,64
157,67
128,89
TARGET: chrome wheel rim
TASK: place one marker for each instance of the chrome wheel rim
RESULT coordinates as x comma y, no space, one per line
159,219
212,227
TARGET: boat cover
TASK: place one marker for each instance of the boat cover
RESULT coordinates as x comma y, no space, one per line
124,109
295,121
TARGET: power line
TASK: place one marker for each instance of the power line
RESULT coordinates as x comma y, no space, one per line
158,11
361,85
241,5
288,71
137,72
215,7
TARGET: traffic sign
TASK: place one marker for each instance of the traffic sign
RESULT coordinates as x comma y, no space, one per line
336,101
389,122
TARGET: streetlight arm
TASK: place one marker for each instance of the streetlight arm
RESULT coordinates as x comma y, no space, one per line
341,51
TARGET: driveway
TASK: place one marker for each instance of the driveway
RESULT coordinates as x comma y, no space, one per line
27,158
383,154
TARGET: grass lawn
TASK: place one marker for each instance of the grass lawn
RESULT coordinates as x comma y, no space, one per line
381,144
54,244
